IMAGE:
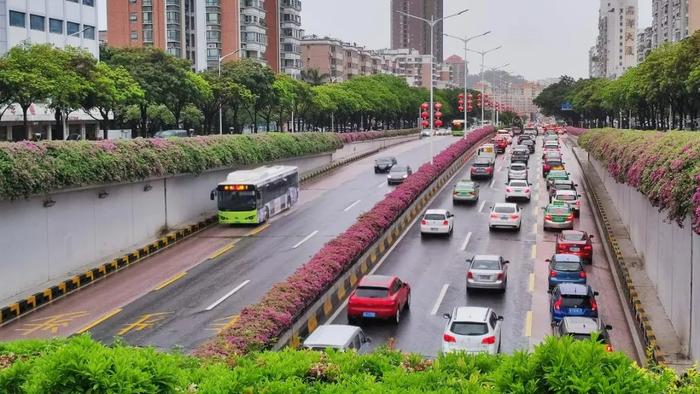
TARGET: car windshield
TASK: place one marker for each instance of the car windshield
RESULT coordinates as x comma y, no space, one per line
468,328
567,266
565,197
558,211
398,169
486,265
236,201
434,216
504,209
573,236
572,301
371,292
518,183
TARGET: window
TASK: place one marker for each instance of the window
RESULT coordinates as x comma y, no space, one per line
132,1
134,35
148,35
147,17
37,22
89,32
18,19
213,17
55,26
133,17
90,3
72,28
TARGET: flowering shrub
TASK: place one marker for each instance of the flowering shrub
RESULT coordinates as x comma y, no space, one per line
575,131
662,166
260,324
371,135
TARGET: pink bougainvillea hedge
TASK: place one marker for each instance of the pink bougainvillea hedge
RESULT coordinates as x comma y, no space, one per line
665,167
371,135
260,324
575,131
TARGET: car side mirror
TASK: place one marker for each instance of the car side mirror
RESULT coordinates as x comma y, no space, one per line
548,260
549,291
595,293
211,195
579,195
590,236
446,316
575,184
367,340
608,327
500,318
506,262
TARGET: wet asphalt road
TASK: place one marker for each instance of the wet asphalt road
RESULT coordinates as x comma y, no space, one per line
193,308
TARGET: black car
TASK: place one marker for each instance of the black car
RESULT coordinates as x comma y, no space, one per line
583,328
384,164
398,174
520,154
530,145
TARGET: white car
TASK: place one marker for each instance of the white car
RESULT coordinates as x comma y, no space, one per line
505,215
570,197
472,330
518,189
437,221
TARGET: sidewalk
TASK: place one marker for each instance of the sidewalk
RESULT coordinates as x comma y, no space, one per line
648,315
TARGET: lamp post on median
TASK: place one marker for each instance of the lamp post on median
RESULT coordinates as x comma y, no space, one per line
495,102
483,54
465,41
432,22
221,106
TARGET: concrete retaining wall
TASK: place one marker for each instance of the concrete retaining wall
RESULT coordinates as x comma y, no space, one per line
40,245
671,256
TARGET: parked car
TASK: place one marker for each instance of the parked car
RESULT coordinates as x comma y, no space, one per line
398,174
483,167
337,336
505,215
558,216
553,175
565,268
472,330
465,191
487,272
379,297
437,221
561,184
569,299
576,242
570,197
584,328
384,164
518,170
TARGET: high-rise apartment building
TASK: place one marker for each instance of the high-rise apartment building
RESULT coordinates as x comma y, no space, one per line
645,39
415,34
457,70
283,53
411,65
616,46
57,22
670,21
339,60
693,16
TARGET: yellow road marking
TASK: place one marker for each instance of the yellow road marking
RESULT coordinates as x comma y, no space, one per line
222,324
528,324
50,324
170,281
533,252
534,227
531,284
259,230
144,322
98,321
223,250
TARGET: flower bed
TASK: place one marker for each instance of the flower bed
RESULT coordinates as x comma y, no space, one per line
371,135
665,167
260,324
575,131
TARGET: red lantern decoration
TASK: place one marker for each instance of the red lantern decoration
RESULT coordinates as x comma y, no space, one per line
438,114
424,115
438,123
460,102
438,106
425,123
461,108
469,96
461,96
469,107
424,106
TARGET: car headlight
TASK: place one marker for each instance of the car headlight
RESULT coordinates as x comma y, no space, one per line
388,176
405,176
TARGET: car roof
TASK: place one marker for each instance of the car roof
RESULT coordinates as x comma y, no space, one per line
559,204
436,211
505,204
470,314
376,281
573,289
565,257
332,335
562,181
581,325
482,160
566,192
386,158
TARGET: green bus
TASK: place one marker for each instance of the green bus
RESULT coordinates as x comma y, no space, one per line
458,127
254,196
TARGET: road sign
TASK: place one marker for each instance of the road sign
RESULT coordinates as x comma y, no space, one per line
566,106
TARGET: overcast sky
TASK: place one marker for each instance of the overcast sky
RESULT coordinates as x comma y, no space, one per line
540,38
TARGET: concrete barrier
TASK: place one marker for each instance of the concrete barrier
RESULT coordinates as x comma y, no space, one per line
58,246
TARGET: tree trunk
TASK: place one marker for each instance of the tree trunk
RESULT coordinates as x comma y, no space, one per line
25,108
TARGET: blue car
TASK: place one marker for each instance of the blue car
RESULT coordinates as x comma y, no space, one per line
570,299
565,268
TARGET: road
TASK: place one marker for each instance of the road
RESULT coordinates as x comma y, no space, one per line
436,270
187,293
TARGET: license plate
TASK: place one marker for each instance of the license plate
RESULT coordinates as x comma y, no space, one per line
369,314
504,217
574,249
484,277
575,311
433,229
558,220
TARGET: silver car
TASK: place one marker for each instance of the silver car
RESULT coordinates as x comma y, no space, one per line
487,272
398,174
517,170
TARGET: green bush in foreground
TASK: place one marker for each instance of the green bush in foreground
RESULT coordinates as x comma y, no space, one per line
80,365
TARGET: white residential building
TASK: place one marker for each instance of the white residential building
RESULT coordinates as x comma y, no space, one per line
616,46
670,21
58,22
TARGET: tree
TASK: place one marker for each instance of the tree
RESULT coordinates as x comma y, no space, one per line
192,117
314,77
553,96
258,79
285,88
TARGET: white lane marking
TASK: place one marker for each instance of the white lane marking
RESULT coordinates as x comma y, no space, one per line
308,237
439,299
466,241
481,208
349,207
381,184
500,168
492,182
227,295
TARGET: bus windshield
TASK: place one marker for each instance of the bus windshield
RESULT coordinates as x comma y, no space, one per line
237,201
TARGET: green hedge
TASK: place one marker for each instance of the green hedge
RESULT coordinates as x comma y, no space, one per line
80,365
30,168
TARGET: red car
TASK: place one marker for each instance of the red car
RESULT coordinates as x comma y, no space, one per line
379,297
576,242
501,144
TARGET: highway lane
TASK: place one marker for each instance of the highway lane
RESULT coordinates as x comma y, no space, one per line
429,265
194,307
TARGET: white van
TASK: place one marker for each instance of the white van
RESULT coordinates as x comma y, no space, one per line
337,336
487,151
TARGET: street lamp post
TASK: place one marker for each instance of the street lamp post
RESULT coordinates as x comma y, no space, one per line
465,41
483,54
221,106
493,70
432,22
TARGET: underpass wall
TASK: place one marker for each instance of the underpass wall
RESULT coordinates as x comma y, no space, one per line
40,245
671,257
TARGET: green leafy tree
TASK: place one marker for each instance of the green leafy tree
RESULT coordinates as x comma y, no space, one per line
192,117
258,79
314,77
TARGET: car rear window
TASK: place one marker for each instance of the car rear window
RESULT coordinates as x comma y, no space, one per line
566,197
518,167
573,236
568,301
567,266
372,292
469,328
486,265
563,186
558,211
434,216
481,164
502,209
518,183
553,162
